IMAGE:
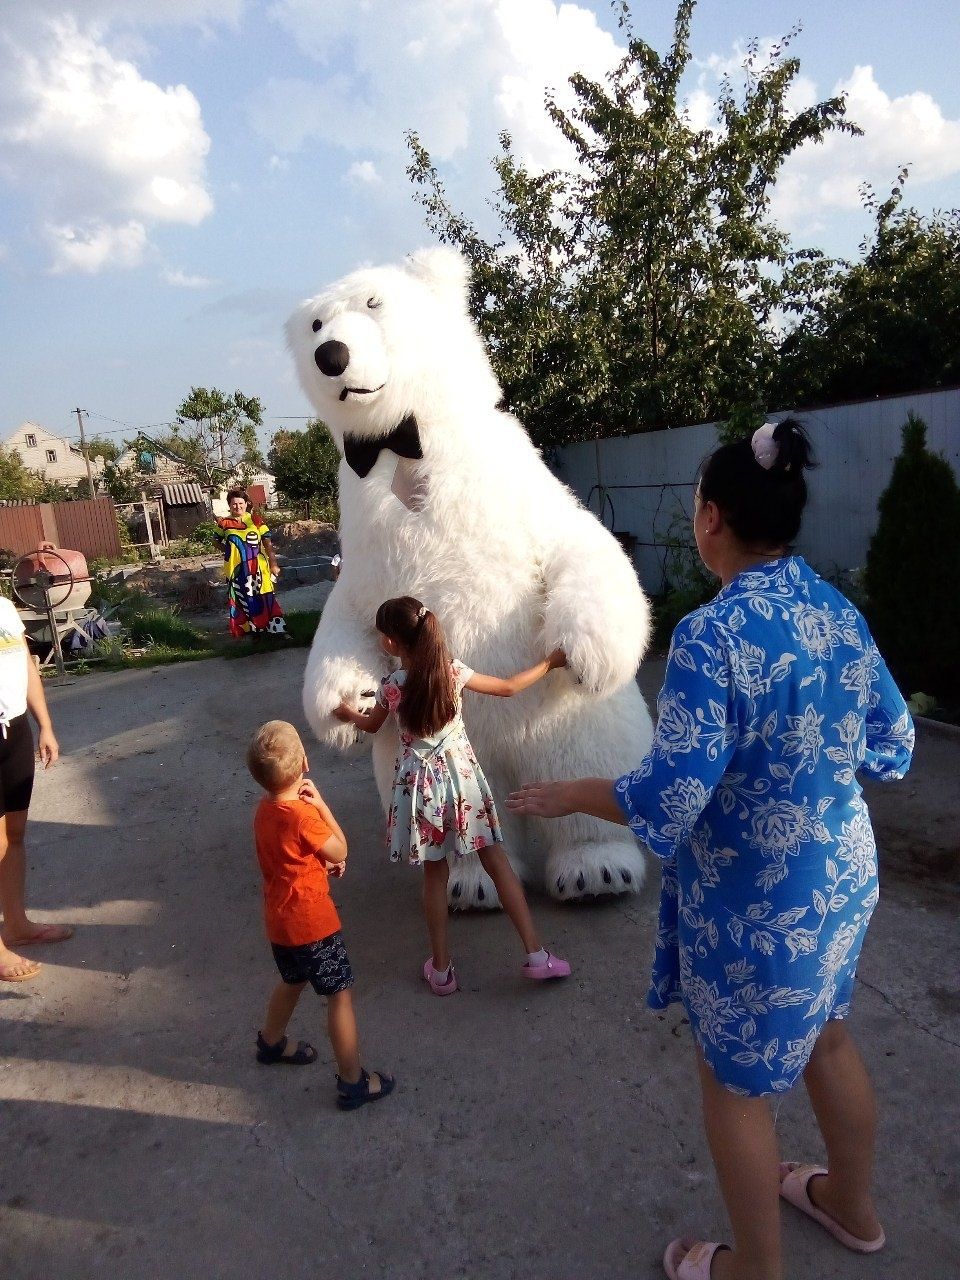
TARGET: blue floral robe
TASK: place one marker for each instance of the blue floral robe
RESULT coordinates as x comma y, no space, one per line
775,695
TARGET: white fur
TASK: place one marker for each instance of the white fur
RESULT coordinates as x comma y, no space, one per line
503,553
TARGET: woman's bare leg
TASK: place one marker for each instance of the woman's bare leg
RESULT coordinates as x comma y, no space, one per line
844,1103
743,1144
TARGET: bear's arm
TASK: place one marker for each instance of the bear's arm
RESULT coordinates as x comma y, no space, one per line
345,664
595,609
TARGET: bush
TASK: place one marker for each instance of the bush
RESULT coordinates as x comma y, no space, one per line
913,569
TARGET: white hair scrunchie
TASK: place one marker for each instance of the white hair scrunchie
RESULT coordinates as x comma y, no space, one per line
765,448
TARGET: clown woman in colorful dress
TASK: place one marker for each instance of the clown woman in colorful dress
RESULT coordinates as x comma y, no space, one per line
251,569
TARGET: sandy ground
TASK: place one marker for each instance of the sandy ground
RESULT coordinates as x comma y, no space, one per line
550,1133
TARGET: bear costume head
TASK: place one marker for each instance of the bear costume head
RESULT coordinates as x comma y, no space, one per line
387,351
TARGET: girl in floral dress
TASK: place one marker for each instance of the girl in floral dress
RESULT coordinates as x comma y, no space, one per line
441,803
774,697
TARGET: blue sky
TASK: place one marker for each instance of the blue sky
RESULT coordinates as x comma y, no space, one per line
171,187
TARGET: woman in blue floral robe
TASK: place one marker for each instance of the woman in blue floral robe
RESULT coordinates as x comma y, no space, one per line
775,696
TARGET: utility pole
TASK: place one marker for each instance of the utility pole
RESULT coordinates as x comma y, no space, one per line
83,450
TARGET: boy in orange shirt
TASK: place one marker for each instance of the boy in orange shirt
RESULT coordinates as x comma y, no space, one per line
298,842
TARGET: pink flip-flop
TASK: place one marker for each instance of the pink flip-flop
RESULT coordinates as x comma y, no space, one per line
552,967
794,1187
690,1259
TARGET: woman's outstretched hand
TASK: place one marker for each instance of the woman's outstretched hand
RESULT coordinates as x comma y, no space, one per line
541,799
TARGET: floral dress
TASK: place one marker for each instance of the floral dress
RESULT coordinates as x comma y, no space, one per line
253,603
775,695
441,800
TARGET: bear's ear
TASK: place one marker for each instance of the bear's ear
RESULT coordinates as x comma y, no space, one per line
444,271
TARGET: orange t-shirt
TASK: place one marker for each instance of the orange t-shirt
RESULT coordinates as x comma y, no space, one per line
297,906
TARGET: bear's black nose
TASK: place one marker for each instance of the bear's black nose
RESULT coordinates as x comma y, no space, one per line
332,358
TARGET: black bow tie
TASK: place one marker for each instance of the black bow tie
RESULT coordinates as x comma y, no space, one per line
361,453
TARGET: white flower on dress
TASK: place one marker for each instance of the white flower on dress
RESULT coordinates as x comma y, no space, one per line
804,737
858,676
779,827
857,847
677,730
817,630
683,802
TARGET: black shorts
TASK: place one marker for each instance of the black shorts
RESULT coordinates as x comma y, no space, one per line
324,964
17,764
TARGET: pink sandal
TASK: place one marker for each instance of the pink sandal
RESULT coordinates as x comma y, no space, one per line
690,1259
552,967
794,1187
437,985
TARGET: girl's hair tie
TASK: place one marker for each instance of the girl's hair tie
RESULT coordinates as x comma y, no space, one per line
422,613
765,448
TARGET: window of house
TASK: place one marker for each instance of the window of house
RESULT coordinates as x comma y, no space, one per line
31,442
51,455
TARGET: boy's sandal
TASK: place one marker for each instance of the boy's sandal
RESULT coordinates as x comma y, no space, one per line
269,1054
350,1096
552,967
685,1259
795,1188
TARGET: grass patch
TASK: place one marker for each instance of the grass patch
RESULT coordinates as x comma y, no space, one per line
157,636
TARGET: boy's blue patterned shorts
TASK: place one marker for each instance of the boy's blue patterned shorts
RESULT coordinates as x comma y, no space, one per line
324,964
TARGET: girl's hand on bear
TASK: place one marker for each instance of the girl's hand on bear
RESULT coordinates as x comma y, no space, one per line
343,712
556,659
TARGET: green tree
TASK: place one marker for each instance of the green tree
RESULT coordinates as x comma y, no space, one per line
215,436
16,480
102,447
887,324
640,288
305,464
912,569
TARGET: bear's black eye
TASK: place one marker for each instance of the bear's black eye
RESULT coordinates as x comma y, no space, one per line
374,302
317,326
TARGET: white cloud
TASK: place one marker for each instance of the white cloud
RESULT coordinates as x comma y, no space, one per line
103,152
363,173
278,164
92,247
180,280
909,130
455,72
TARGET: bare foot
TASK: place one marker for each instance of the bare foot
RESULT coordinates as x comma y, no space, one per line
859,1219
36,933
14,968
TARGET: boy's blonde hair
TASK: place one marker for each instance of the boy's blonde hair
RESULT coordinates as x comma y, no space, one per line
275,755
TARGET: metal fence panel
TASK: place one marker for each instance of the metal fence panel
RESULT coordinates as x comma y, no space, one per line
642,485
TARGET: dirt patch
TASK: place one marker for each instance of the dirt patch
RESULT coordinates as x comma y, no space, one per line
306,537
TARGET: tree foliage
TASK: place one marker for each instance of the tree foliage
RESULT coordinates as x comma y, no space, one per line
304,465
913,566
16,480
641,287
888,324
215,436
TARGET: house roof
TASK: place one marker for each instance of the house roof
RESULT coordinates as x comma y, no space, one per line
183,495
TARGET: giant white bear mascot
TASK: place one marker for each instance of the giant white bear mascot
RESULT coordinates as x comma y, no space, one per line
443,497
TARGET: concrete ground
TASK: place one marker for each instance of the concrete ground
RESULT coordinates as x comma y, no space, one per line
550,1133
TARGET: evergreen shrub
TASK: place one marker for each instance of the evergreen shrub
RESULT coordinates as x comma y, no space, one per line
912,576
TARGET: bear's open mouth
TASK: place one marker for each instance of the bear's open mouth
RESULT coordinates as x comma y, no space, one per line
360,391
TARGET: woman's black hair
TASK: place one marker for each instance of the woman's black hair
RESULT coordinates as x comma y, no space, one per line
762,506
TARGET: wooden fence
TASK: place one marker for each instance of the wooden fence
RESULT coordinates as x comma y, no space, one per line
89,526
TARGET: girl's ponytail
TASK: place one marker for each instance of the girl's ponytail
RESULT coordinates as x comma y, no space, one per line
429,692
